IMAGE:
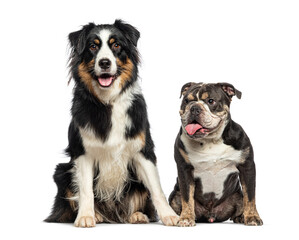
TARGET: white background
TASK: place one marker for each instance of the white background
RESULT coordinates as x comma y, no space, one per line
251,44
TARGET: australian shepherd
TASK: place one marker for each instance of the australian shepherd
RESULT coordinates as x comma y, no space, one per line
112,175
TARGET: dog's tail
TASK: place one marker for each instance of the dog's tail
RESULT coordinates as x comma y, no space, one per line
64,209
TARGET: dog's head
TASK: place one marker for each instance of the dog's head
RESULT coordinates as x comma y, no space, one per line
205,108
105,57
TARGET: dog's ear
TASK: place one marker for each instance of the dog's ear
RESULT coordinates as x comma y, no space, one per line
185,88
230,90
78,39
130,32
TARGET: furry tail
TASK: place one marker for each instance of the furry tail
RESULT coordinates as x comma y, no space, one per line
63,209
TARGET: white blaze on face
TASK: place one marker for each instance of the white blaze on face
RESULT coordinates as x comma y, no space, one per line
105,53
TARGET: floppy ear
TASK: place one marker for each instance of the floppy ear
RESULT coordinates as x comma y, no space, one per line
78,39
185,88
131,33
230,90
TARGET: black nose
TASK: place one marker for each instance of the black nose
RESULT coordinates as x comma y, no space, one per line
105,63
195,110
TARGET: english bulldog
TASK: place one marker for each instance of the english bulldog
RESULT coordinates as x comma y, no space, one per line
216,170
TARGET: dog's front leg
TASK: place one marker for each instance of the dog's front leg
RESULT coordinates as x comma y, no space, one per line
187,188
247,177
83,179
147,172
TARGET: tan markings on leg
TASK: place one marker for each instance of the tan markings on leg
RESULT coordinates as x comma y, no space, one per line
251,216
184,155
138,217
187,218
69,195
204,96
126,74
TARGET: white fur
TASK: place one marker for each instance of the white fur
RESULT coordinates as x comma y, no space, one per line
111,158
84,182
212,162
105,52
113,155
148,173
111,93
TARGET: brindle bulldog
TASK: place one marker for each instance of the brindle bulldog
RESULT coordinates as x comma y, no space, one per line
214,156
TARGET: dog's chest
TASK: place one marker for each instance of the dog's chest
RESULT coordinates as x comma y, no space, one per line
213,163
112,156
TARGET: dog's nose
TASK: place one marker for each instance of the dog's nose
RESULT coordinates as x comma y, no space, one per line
105,63
195,110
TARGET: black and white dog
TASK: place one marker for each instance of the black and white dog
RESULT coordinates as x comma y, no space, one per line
213,155
112,174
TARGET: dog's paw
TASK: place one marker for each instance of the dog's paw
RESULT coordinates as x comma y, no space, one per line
170,220
253,220
138,217
186,222
85,221
239,219
98,218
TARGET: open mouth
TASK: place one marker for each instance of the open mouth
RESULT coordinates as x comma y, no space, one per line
195,128
106,79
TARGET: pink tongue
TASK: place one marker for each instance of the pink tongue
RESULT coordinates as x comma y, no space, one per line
192,128
105,82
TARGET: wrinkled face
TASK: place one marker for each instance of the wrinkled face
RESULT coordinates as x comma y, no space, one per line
105,57
204,110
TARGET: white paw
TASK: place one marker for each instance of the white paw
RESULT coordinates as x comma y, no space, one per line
85,221
186,222
170,220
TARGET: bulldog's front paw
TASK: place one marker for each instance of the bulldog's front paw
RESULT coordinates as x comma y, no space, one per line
170,220
186,222
253,220
85,221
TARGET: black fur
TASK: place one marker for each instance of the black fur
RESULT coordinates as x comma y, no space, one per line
207,207
89,111
61,211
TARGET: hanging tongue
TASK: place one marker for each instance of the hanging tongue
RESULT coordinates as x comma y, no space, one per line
105,82
193,127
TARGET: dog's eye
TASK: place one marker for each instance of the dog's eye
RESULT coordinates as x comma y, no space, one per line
93,47
211,101
115,46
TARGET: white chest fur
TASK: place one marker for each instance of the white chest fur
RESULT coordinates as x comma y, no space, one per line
112,156
213,162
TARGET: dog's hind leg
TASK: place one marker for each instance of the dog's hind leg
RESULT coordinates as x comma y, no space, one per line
64,209
141,208
138,217
147,172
